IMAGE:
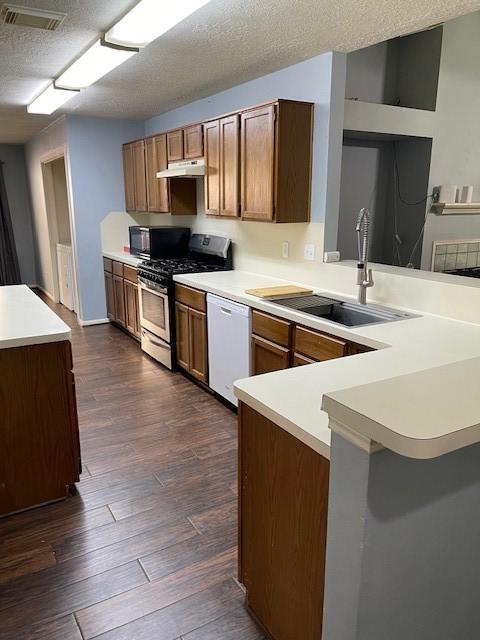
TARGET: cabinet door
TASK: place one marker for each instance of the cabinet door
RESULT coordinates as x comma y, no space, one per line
156,160
283,528
140,175
193,141
229,166
129,178
268,356
212,167
197,328
110,296
182,342
131,307
299,360
258,163
119,298
175,145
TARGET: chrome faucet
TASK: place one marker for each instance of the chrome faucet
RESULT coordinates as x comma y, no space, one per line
364,275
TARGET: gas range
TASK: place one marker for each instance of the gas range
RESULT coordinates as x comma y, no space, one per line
156,291
162,271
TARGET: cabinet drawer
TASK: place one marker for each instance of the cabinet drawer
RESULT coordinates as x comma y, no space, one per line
271,328
319,346
130,273
107,265
117,268
358,348
191,297
298,360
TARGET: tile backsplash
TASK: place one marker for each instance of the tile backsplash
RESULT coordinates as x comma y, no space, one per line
463,254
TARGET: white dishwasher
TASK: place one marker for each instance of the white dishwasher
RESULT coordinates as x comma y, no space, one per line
228,344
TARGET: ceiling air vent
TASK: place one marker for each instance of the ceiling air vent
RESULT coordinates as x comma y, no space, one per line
28,17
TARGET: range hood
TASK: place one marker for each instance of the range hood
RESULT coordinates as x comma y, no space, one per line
184,169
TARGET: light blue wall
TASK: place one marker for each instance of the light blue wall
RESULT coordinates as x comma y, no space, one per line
15,175
309,81
95,160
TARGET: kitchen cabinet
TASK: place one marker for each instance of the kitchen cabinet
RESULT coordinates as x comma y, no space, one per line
268,356
258,163
193,142
175,145
318,346
191,331
212,167
222,162
40,452
156,160
121,292
283,502
129,178
110,296
279,344
276,159
144,191
139,174
119,297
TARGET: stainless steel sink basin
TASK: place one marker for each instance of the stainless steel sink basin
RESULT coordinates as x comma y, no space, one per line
341,312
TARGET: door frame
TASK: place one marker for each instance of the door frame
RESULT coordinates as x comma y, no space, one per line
52,220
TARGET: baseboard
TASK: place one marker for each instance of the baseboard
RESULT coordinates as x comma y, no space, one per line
89,323
37,286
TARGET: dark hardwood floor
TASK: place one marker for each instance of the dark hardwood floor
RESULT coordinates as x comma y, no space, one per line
146,550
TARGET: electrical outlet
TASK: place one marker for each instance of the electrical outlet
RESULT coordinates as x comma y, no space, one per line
309,252
285,249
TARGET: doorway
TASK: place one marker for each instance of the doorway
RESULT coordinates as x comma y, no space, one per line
60,232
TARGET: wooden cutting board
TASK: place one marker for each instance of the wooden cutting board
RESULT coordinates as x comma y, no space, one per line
284,291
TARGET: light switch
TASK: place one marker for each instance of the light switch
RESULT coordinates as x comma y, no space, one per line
309,252
285,249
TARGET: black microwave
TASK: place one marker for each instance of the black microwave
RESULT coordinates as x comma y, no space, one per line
159,242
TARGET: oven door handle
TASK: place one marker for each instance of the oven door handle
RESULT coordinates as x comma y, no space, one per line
152,288
149,337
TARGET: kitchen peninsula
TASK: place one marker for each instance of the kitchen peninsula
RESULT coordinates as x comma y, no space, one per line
39,441
390,463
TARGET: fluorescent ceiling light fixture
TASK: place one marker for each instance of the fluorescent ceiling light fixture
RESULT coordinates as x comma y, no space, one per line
149,19
97,61
50,100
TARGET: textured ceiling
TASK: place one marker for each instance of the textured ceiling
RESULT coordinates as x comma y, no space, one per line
223,44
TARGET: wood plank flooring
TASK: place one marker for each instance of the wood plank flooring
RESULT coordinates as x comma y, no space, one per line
146,549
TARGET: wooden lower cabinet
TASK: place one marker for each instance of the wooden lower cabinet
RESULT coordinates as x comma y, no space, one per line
121,292
283,502
298,360
110,296
268,356
191,333
132,319
119,297
40,452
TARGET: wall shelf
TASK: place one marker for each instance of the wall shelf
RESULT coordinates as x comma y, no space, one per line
369,117
459,208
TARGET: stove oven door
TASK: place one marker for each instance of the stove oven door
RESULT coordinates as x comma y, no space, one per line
154,309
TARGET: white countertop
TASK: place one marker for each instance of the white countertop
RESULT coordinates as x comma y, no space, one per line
124,257
25,319
293,398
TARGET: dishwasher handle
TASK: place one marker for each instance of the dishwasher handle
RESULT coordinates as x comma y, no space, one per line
227,312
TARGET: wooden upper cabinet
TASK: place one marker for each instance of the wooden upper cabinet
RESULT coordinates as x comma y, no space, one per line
156,160
212,167
139,173
193,142
258,163
229,166
175,145
129,177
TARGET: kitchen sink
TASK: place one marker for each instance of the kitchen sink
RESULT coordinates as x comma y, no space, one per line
345,313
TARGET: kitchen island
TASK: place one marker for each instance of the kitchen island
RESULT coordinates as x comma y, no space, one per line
359,480
39,440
